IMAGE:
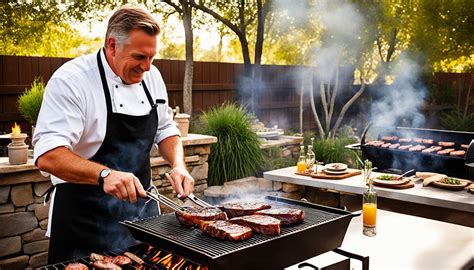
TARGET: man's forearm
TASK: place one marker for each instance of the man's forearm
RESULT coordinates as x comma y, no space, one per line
63,163
171,150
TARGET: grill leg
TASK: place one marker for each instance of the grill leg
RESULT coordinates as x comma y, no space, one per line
363,259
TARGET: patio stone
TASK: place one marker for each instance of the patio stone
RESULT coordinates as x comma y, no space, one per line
200,171
34,235
15,263
41,211
40,259
10,245
22,195
17,223
36,247
7,208
43,224
286,187
202,150
264,184
40,188
216,192
277,185
4,194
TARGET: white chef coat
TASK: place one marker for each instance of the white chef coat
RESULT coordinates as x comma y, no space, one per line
74,112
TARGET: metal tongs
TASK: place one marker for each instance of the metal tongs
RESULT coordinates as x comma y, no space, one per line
157,197
197,201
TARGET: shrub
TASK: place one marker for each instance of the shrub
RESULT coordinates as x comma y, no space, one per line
237,152
456,120
272,160
29,103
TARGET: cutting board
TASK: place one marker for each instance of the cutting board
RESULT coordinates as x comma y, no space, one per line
323,175
401,186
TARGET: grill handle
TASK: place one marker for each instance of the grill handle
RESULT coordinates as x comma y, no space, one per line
355,146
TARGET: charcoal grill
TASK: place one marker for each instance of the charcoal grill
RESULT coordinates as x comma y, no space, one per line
323,230
395,160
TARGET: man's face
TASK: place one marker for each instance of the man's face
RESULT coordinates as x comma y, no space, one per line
131,59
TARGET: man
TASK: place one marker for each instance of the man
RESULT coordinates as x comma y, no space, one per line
100,116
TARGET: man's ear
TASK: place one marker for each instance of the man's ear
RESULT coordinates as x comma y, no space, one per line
112,45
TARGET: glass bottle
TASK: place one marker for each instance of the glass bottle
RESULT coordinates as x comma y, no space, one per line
301,165
369,203
310,157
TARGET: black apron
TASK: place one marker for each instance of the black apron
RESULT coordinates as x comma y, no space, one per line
85,219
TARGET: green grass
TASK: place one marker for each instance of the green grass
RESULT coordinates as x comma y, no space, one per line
237,152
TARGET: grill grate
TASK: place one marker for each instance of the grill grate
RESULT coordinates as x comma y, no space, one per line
168,227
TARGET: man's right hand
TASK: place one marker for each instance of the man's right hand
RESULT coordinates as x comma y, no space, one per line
123,186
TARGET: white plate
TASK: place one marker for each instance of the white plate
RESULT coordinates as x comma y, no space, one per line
336,167
392,182
335,172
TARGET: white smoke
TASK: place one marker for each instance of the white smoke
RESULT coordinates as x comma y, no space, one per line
403,99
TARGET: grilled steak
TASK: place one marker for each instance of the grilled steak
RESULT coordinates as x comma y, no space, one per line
432,149
446,144
404,140
259,224
76,266
224,230
197,217
238,209
121,260
416,148
105,265
287,216
428,141
445,151
394,146
405,147
458,153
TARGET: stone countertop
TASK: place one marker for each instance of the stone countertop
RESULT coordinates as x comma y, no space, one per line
409,242
458,200
190,140
281,141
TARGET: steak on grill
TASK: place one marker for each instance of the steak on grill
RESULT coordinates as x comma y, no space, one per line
76,266
105,265
259,224
199,215
225,230
238,209
287,216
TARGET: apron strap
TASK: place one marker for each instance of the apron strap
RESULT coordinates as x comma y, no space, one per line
47,193
104,83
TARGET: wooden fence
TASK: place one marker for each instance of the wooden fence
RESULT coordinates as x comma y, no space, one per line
213,83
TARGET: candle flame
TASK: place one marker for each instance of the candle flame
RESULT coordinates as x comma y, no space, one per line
16,130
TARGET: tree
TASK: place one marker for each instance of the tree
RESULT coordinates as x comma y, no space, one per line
184,8
238,16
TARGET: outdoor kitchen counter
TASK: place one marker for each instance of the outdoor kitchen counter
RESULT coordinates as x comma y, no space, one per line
408,242
433,196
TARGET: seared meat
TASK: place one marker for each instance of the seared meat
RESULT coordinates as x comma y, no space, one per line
465,146
446,144
237,209
259,224
121,260
105,265
76,266
287,216
405,147
198,216
394,146
458,153
445,151
432,149
404,140
116,260
375,143
389,138
417,148
418,140
224,230
428,141
385,145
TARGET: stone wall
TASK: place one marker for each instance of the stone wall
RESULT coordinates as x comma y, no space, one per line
24,218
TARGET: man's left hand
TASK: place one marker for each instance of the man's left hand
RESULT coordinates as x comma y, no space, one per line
181,181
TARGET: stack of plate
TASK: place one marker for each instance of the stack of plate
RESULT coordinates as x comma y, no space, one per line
335,168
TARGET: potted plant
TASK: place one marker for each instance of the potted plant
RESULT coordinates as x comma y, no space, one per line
29,102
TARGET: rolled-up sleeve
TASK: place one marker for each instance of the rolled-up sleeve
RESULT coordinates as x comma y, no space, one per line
167,127
61,118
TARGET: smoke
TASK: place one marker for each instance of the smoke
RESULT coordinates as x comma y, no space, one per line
403,99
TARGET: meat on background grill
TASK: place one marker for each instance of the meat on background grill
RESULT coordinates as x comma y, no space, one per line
446,144
76,266
465,146
287,216
389,138
394,146
404,140
259,224
432,149
225,230
445,151
405,147
105,265
238,209
196,217
458,153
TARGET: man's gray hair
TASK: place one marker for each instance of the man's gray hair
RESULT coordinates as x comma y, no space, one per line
128,18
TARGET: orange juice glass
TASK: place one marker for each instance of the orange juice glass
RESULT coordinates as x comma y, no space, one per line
301,166
369,213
